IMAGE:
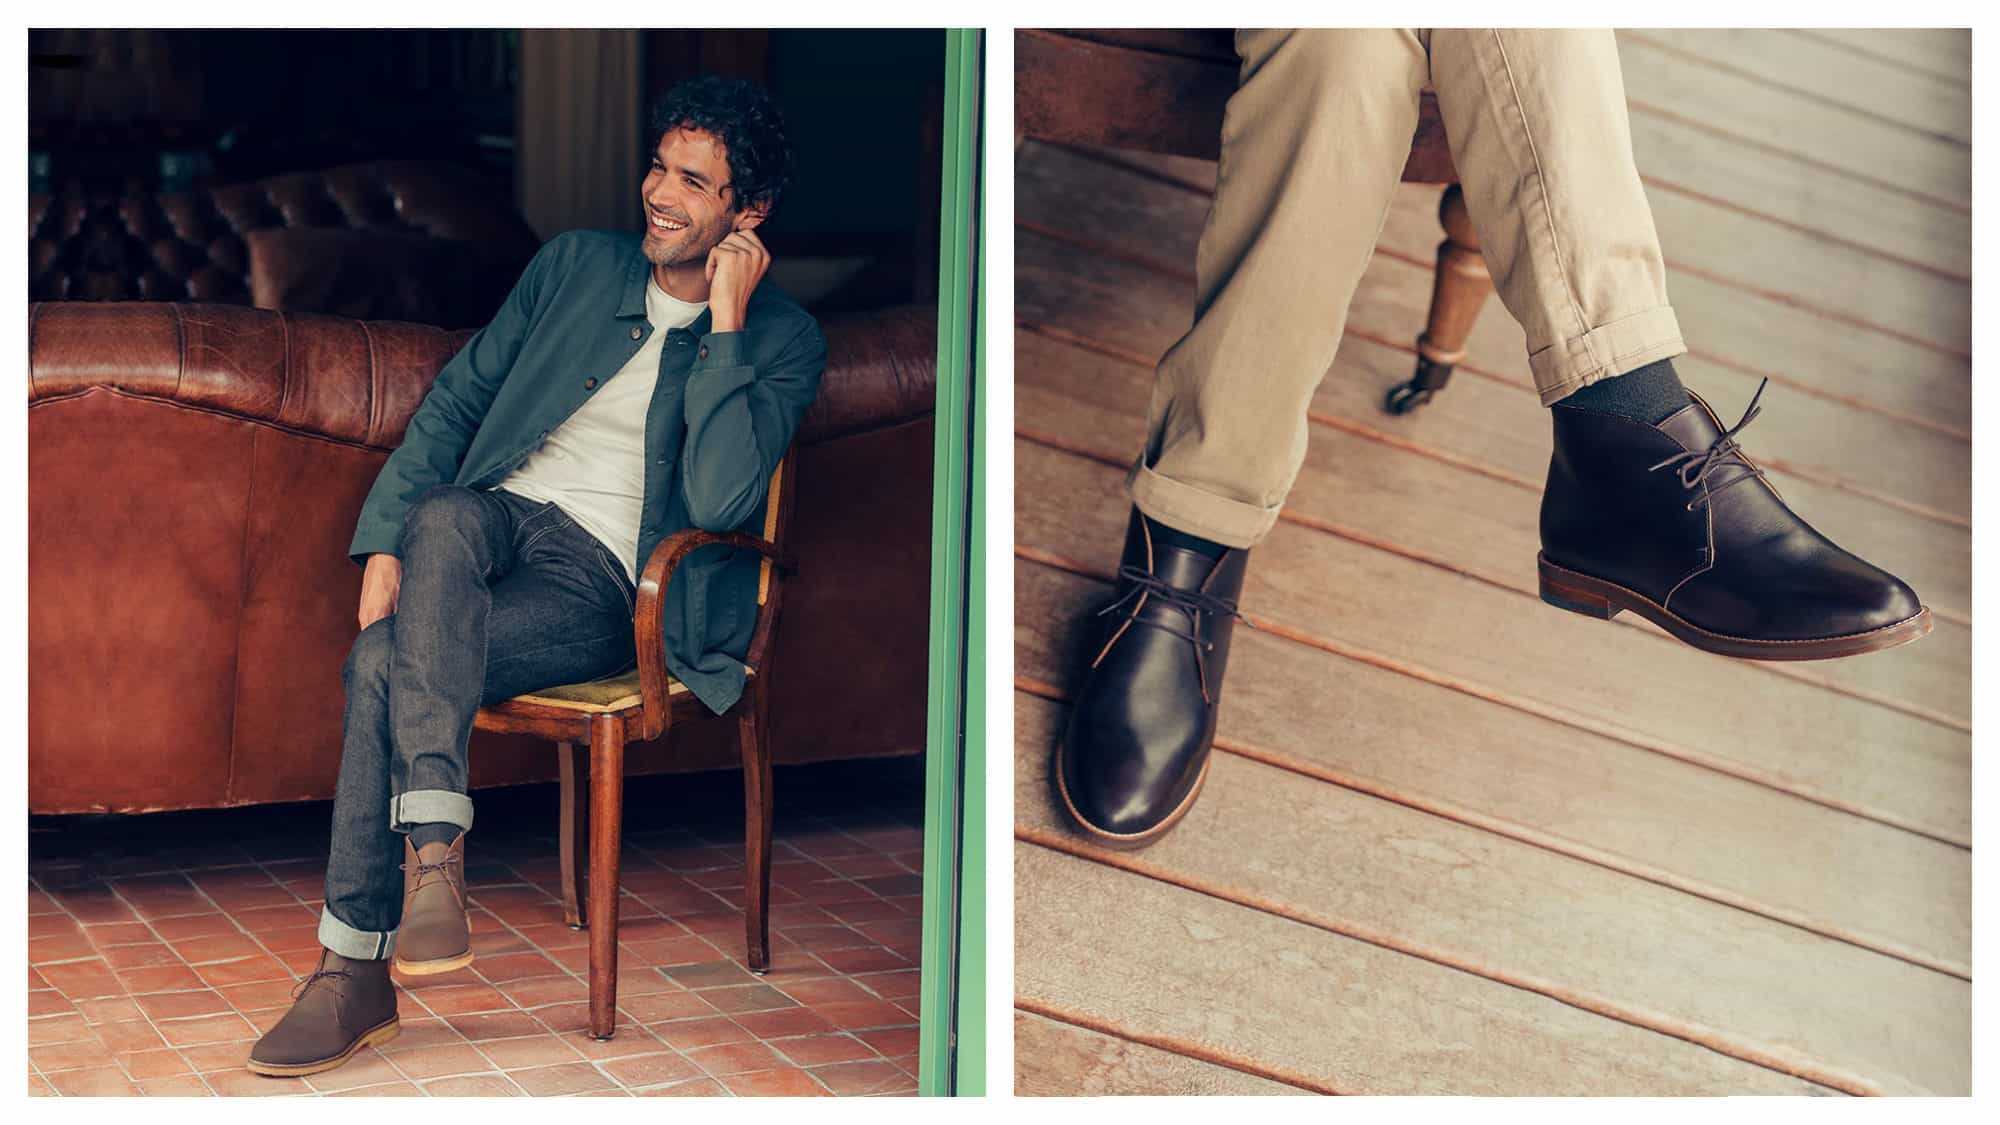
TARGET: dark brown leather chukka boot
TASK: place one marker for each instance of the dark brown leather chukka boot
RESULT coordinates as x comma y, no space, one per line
343,1006
1135,752
433,937
1674,523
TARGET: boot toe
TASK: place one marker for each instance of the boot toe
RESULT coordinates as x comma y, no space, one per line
1120,790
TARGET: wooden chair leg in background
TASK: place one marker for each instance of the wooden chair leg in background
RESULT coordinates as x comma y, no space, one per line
574,842
1458,291
750,737
607,800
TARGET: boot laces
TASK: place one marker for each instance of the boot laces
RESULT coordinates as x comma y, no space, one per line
1142,583
318,974
1697,465
441,867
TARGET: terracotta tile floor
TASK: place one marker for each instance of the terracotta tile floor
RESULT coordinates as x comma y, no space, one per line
161,946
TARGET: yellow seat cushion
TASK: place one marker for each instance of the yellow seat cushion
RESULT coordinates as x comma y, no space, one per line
613,693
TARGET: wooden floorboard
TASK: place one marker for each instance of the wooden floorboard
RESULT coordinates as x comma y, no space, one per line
1172,966
1827,73
1057,1059
1506,911
1844,142
1944,54
1454,840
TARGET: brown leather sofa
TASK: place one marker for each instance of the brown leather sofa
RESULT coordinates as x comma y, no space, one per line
194,473
410,240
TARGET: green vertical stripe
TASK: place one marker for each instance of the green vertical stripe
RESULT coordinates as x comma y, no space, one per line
953,779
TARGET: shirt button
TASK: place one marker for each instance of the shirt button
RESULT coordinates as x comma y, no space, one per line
636,333
589,383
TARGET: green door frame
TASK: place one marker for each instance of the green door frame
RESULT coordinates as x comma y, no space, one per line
952,1005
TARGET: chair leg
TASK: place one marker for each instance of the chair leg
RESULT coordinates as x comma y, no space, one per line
607,799
573,838
1458,291
750,736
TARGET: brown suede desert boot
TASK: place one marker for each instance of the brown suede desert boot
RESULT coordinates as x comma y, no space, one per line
343,1006
433,937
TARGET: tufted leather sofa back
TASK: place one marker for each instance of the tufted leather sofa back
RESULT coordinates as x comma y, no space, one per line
202,245
195,471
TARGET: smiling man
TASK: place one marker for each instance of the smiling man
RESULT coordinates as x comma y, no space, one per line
630,387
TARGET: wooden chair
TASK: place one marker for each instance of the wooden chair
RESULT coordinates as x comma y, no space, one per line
645,703
1163,90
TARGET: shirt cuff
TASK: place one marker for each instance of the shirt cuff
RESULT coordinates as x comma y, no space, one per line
721,349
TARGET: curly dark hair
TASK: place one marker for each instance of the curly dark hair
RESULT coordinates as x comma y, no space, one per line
752,130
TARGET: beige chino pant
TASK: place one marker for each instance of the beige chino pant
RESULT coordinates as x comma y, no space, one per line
1313,146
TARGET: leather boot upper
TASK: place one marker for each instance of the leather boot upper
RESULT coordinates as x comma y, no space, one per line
1140,728
434,925
1675,512
339,1002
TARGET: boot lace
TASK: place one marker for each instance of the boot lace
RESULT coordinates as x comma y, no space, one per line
1141,583
1697,465
441,867
318,974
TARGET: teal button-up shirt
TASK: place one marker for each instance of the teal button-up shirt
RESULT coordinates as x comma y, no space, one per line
724,411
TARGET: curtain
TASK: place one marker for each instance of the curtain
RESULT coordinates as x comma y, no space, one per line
580,134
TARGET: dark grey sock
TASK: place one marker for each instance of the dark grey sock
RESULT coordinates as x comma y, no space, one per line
1164,536
424,834
1644,394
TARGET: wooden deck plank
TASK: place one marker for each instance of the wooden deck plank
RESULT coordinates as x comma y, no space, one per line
1707,709
1056,1059
1066,194
1380,730
1453,515
1943,52
1173,965
1673,156
1870,370
1824,71
1839,139
1840,282
1139,313
1621,947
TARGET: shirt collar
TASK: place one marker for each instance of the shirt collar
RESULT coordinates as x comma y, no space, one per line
634,301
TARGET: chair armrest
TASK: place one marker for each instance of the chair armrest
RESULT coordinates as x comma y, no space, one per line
647,625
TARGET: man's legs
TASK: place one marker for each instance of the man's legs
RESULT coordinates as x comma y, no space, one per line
1650,504
1539,135
1313,144
500,595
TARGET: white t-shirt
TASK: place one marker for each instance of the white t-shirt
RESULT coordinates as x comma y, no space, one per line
594,464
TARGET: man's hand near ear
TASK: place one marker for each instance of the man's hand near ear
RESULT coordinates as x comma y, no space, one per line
735,267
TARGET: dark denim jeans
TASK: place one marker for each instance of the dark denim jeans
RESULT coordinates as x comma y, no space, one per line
501,595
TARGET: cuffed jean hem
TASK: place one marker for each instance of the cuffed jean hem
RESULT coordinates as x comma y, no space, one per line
356,945
1184,507
430,806
1630,342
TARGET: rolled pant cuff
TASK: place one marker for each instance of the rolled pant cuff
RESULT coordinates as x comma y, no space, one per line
1184,507
430,806
1566,366
356,945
